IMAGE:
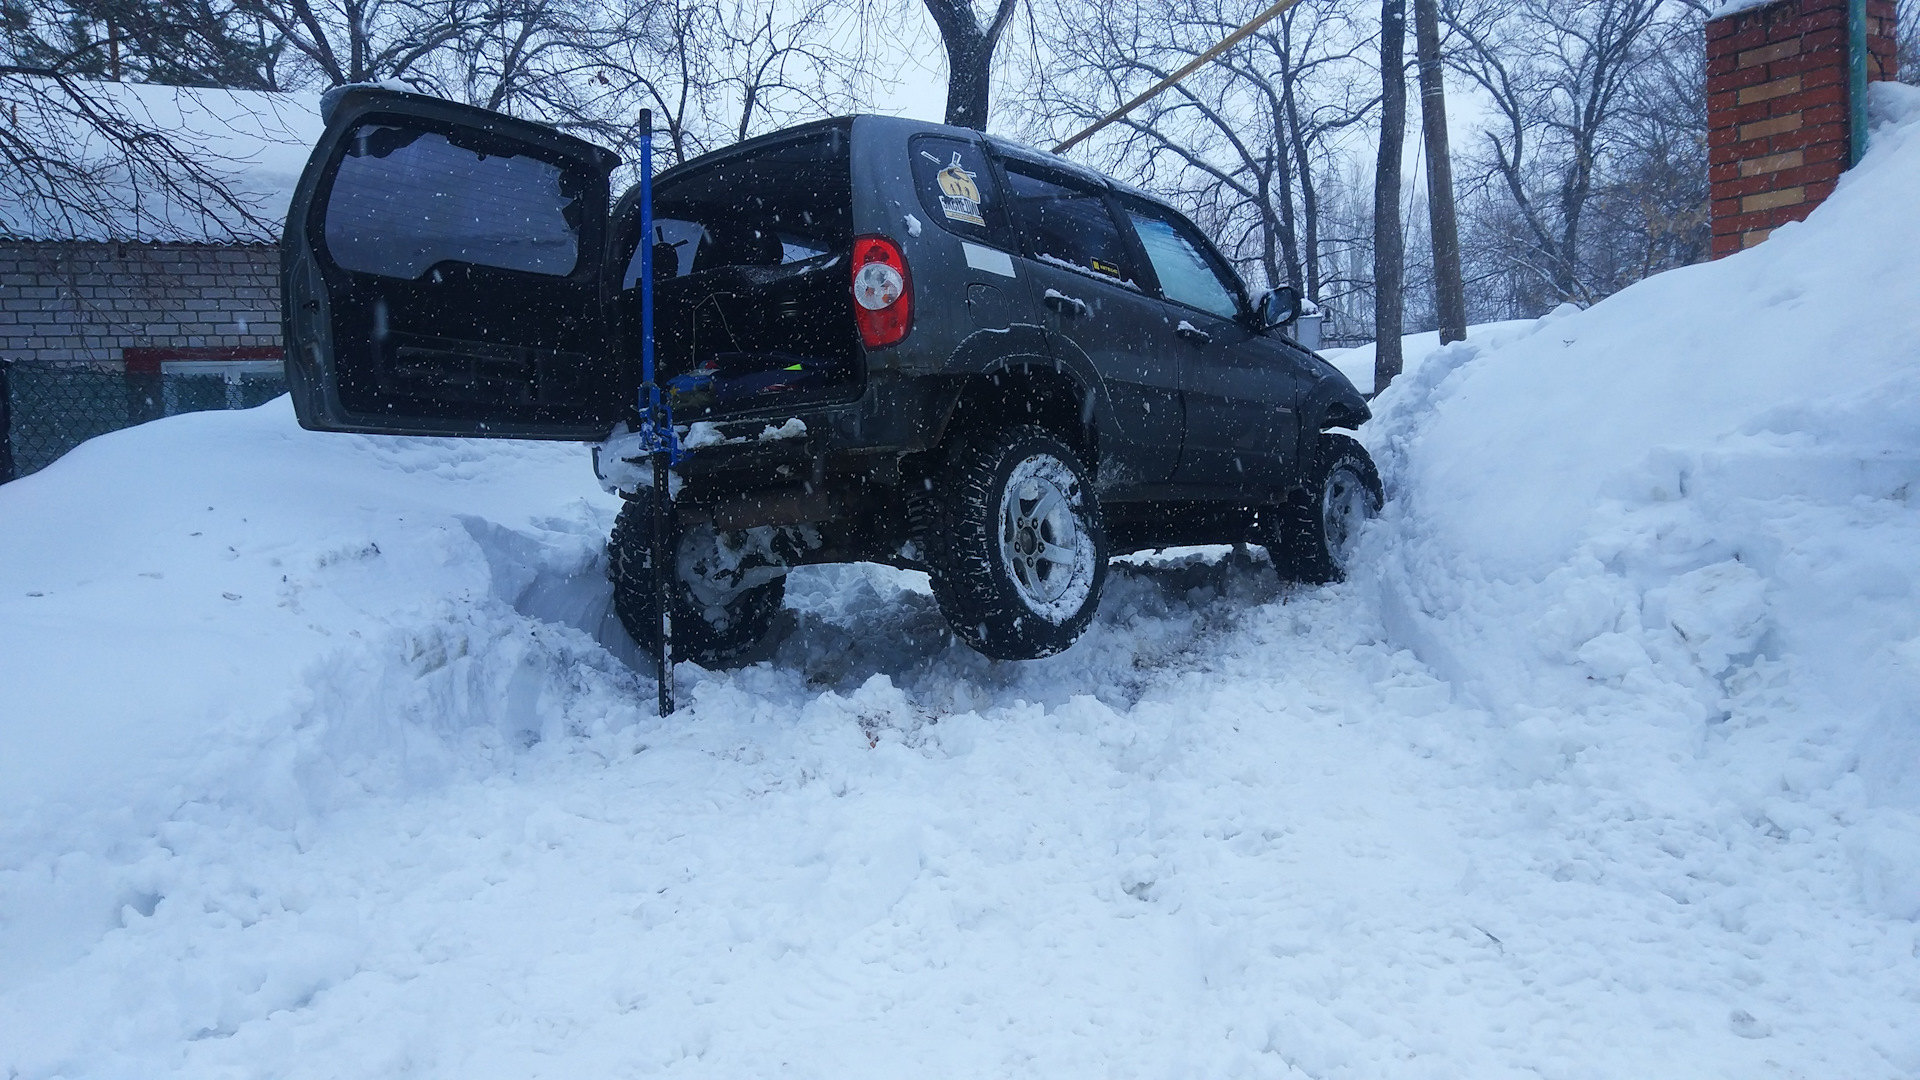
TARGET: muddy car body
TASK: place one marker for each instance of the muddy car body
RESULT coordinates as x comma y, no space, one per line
883,340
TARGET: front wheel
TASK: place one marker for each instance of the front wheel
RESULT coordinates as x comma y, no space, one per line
1312,536
1017,549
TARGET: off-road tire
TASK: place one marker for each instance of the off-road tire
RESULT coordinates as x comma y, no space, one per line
989,560
1309,537
711,639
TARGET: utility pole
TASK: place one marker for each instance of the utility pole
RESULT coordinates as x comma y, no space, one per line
1449,291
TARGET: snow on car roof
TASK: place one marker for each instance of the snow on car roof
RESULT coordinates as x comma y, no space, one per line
255,143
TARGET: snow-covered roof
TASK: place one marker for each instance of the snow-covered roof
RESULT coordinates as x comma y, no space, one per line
1735,7
253,143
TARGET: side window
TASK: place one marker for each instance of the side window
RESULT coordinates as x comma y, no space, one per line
1067,224
404,201
1187,276
957,189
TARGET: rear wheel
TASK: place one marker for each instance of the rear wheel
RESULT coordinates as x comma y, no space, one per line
723,597
1312,536
1017,550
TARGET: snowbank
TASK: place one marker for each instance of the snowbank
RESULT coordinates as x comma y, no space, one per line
1357,363
1671,541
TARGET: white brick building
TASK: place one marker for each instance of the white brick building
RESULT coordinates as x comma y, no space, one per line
120,301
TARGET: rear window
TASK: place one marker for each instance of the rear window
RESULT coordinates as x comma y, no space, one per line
957,189
404,201
783,203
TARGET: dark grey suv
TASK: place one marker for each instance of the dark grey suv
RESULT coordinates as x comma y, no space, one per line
884,340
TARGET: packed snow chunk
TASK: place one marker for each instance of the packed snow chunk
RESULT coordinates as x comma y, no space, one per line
702,433
1720,611
794,428
1887,849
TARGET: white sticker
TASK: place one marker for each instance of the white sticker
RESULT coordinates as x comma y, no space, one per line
988,259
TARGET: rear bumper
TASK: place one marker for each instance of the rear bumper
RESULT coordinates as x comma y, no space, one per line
895,415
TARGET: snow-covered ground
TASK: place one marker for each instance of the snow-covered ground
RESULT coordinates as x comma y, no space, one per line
323,758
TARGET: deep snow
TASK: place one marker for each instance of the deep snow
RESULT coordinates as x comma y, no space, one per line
323,758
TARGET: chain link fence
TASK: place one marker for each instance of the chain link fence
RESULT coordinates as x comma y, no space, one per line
47,409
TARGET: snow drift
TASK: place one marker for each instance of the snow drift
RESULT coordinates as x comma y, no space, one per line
1672,541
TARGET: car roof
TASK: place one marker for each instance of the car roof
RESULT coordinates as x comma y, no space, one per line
1005,147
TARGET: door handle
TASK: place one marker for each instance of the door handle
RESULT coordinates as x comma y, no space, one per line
1193,333
1071,306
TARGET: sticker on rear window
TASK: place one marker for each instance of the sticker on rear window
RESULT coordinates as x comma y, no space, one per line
959,195
957,185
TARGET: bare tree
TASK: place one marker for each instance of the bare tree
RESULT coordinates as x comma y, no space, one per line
970,42
77,162
1242,143
1906,22
356,41
1450,298
1557,73
717,71
175,42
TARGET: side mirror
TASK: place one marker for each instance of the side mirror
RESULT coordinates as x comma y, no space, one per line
1279,307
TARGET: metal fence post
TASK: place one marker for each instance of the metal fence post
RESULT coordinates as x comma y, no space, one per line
6,421
146,390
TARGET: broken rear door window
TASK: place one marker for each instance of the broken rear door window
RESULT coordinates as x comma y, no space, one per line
404,201
753,305
1067,224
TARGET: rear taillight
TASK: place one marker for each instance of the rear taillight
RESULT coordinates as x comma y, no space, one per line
882,291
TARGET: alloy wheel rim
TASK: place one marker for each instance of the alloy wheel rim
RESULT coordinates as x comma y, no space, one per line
1047,551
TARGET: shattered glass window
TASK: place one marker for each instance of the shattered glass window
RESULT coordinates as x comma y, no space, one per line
1067,224
404,201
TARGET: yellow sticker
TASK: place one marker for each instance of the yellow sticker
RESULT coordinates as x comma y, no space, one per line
959,195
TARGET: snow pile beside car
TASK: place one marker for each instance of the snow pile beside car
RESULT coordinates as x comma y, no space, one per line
1673,542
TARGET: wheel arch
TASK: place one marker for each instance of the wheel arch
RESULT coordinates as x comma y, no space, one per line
1333,403
1007,378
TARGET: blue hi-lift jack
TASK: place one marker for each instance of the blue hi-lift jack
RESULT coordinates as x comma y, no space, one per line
657,435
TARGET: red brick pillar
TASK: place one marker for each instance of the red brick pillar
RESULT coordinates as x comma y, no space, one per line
1777,128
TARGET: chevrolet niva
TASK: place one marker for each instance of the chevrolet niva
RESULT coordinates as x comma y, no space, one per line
883,340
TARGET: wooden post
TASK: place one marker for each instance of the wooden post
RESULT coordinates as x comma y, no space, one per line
1449,290
1389,242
